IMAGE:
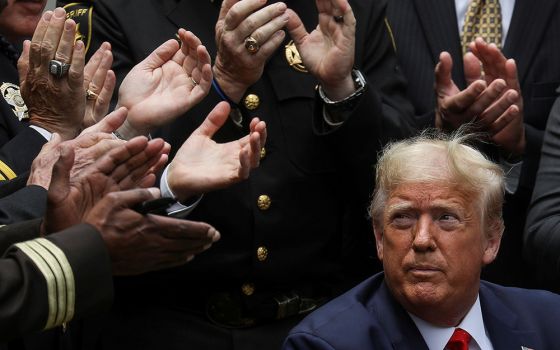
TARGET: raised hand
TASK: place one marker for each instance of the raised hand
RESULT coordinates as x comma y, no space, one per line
236,66
328,51
165,85
70,197
202,165
140,243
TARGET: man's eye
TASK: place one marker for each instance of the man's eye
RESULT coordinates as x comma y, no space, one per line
402,220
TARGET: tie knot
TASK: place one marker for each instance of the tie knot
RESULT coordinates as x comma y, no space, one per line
459,340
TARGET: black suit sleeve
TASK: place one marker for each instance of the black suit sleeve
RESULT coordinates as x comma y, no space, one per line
17,154
542,234
49,281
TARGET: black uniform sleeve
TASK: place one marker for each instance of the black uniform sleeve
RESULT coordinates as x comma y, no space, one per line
17,154
25,204
49,281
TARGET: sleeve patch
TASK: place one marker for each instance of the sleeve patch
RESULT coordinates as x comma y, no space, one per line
82,14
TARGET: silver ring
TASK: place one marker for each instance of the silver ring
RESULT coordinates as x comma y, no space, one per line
58,69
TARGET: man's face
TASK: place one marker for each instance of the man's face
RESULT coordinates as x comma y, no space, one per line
20,17
432,245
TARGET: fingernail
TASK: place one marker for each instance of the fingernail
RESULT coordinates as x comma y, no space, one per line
59,12
47,16
79,45
68,24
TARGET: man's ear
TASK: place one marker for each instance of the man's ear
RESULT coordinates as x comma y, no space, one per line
493,240
378,232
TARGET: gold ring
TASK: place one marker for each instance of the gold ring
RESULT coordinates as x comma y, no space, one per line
90,95
194,81
252,45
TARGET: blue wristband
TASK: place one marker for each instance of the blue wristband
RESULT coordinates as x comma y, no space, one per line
222,94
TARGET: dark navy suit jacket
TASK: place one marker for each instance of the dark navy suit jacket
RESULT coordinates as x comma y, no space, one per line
368,317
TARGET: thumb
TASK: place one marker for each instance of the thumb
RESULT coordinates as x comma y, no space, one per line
214,121
23,61
60,180
129,198
443,71
110,123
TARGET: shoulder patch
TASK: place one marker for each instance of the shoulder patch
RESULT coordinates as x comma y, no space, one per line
81,13
10,93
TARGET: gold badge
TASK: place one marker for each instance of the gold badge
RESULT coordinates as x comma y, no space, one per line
293,57
81,14
11,94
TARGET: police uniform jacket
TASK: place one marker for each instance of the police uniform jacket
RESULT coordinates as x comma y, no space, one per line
290,223
49,281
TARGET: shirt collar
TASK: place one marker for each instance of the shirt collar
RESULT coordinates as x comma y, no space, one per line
437,337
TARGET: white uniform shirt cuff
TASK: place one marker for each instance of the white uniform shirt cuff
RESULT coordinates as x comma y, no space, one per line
177,209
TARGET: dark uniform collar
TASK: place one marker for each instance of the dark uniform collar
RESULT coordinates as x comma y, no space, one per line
9,50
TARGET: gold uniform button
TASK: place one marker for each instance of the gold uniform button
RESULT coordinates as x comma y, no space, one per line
262,253
248,289
252,102
263,153
264,202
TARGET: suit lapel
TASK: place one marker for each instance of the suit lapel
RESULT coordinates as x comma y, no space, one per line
439,23
502,324
528,24
395,322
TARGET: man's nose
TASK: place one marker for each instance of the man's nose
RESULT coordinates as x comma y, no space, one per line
423,239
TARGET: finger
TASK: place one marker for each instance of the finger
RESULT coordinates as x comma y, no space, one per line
245,162
38,35
121,154
100,74
103,100
128,198
66,43
498,108
270,19
110,123
509,116
23,61
134,168
240,11
60,180
184,229
162,54
269,47
255,143
226,6
93,63
511,75
487,98
52,36
76,71
147,181
214,121
472,68
464,99
204,60
296,28
189,43
263,33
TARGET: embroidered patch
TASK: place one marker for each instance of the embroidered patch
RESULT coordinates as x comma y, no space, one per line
293,57
81,13
10,93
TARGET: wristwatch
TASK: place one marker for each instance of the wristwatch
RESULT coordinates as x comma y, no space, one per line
350,101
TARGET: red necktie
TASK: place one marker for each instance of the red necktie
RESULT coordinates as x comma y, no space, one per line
459,340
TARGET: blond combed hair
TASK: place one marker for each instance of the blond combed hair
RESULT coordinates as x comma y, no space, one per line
434,156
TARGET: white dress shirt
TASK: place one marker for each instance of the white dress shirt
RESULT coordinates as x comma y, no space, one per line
437,337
